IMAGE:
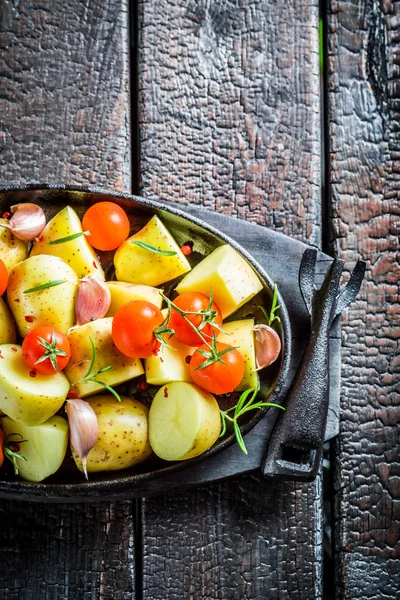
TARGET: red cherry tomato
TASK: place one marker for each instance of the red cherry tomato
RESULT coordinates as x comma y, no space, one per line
133,328
3,277
194,302
108,225
218,377
46,350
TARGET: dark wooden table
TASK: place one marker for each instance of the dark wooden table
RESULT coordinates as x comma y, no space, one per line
221,104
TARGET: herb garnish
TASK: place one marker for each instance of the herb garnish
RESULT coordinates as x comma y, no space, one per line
243,405
153,249
91,376
12,450
44,286
271,317
68,238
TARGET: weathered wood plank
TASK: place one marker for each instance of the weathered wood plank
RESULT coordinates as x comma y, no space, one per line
64,115
229,119
365,182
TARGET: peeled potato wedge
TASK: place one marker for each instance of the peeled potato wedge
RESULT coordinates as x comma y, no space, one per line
78,253
44,449
123,292
231,279
239,334
138,265
107,354
26,396
184,421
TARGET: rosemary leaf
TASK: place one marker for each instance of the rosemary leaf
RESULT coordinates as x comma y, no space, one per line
44,286
154,249
68,238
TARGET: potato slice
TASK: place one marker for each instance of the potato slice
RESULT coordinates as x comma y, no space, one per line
231,279
184,421
12,250
123,292
107,354
53,306
44,449
137,265
240,335
8,333
169,365
123,434
78,253
26,396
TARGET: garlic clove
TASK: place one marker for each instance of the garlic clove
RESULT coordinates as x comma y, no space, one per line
27,222
267,345
83,428
92,300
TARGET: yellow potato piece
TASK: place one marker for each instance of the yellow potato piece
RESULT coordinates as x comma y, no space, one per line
123,434
12,250
53,306
137,265
240,335
26,396
44,449
78,253
184,421
123,292
169,365
107,354
8,333
231,279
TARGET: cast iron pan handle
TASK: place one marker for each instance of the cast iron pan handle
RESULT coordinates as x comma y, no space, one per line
295,448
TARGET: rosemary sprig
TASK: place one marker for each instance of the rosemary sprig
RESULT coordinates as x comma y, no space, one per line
243,406
11,453
68,238
153,249
91,376
271,317
44,286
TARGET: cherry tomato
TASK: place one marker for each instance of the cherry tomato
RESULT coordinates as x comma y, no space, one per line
3,277
108,225
133,328
194,302
218,377
46,350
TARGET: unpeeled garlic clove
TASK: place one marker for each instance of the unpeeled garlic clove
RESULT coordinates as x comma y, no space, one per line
83,428
267,345
27,222
92,300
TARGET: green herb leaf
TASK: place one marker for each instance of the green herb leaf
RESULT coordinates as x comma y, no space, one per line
153,249
68,238
91,375
271,317
44,286
243,405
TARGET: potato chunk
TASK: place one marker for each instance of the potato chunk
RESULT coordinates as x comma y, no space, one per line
12,250
44,449
123,292
184,421
231,279
107,354
8,333
53,306
78,253
138,265
240,335
123,434
27,396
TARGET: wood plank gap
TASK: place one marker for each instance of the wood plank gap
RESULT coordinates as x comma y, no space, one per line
134,65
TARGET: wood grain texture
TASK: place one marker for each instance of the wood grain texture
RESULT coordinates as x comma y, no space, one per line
64,117
364,93
229,108
229,120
